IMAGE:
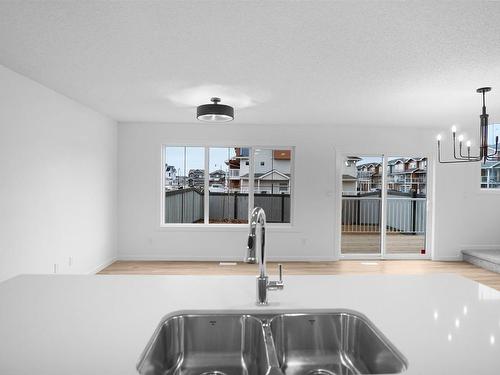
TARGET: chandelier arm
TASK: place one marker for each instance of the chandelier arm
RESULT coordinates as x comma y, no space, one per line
458,161
465,157
461,157
496,149
455,146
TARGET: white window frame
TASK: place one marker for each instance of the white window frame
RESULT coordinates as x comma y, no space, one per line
429,238
251,160
482,189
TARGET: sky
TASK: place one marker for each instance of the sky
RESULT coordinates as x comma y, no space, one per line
195,158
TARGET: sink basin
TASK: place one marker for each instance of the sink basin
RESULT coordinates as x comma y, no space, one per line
312,343
214,344
332,343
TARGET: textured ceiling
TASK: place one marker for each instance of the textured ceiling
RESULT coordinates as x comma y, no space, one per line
315,62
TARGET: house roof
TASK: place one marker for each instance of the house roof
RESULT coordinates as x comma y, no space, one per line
404,160
490,165
218,171
409,171
262,176
369,165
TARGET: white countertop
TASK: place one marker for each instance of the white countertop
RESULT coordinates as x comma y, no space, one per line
443,324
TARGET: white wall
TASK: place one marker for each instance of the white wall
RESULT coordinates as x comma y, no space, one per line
314,235
57,181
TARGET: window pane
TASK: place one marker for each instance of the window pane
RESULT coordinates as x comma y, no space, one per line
273,183
227,203
184,184
406,208
361,204
490,171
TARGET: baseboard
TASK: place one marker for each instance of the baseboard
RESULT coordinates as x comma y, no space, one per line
102,266
153,257
480,247
448,258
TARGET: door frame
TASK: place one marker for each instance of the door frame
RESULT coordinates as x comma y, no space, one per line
429,238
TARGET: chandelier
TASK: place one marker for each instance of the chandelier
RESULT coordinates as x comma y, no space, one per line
484,153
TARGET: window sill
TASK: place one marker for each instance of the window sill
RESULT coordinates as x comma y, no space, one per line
489,191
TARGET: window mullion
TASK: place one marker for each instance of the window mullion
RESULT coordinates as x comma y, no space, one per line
206,195
251,174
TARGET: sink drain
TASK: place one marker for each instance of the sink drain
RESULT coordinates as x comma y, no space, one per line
214,373
320,371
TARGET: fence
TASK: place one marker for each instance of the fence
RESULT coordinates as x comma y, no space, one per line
187,206
184,206
404,214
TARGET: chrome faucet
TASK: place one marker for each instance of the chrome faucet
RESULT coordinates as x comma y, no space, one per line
257,217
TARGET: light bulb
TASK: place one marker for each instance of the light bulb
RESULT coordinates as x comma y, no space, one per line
461,138
453,129
438,137
469,143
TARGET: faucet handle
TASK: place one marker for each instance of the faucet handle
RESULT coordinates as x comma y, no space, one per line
278,284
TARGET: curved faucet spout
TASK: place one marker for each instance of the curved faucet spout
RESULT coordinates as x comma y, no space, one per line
258,217
257,249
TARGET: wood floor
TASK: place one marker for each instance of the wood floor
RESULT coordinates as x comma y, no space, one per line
306,268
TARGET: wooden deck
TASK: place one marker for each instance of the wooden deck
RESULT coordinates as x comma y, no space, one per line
357,239
387,267
369,243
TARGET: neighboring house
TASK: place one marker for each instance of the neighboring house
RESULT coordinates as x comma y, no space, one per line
218,177
196,178
407,175
490,175
369,177
242,155
271,172
404,175
349,175
170,176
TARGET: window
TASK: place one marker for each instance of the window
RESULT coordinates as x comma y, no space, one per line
227,204
272,183
224,194
490,171
183,191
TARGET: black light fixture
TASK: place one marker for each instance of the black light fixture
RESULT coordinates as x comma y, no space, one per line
215,112
484,153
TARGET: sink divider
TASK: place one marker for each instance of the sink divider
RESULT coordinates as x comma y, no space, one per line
271,353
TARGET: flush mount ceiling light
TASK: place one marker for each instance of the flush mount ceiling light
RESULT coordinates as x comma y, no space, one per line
486,152
215,112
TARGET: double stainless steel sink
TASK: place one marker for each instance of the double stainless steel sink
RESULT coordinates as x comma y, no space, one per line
338,342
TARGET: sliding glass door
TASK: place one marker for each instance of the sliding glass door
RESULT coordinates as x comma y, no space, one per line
361,205
406,205
384,206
